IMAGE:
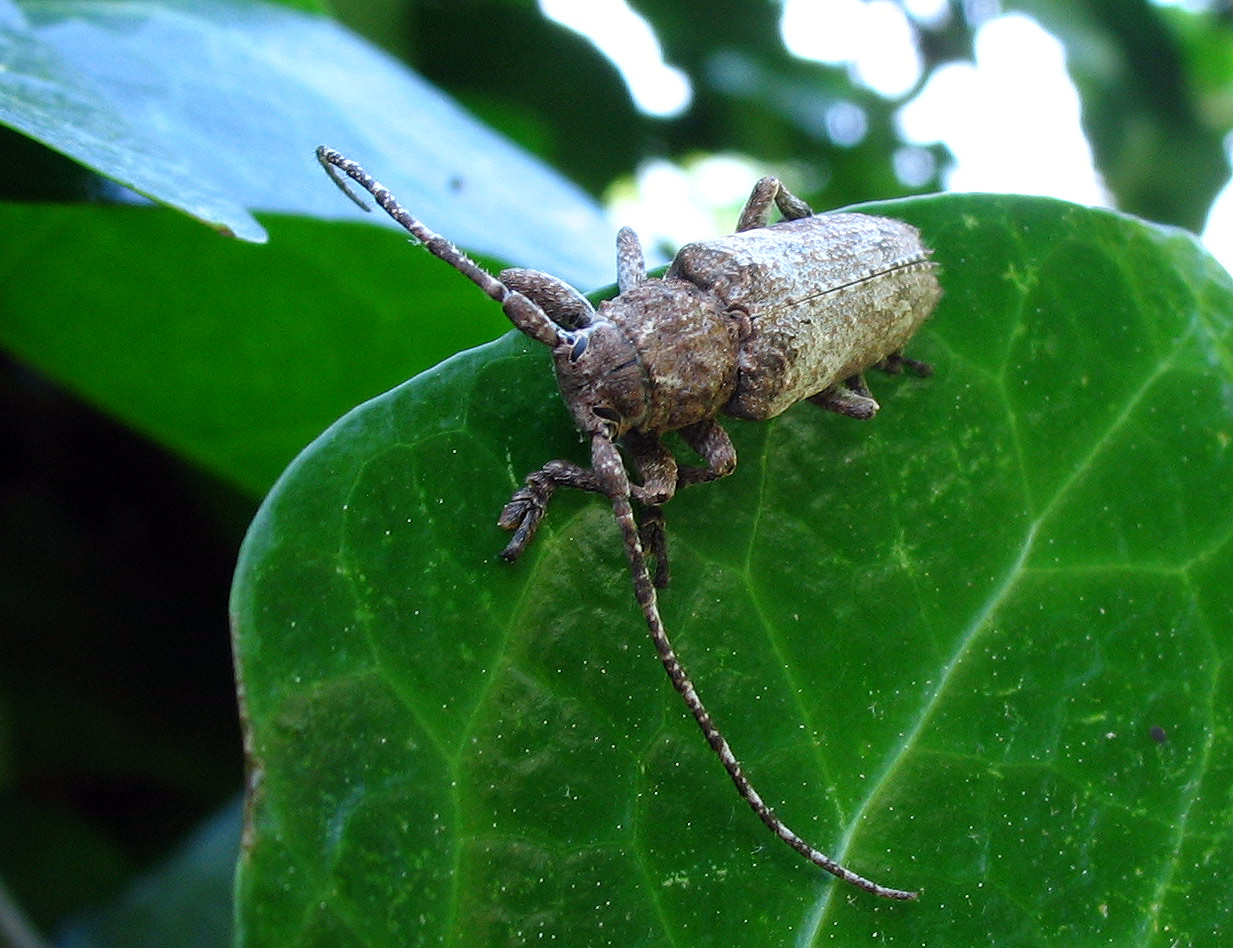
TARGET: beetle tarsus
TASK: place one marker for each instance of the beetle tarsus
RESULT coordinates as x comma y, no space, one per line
896,362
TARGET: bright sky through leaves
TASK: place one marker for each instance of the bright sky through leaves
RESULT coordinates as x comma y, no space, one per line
1011,119
874,39
628,40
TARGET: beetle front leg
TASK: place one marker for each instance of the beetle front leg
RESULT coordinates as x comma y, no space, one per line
769,191
526,508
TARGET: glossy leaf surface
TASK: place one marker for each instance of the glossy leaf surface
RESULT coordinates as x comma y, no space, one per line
978,646
227,125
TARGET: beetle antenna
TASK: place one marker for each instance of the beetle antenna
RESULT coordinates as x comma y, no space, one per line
607,464
522,312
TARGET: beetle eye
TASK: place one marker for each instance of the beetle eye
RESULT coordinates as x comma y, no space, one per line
606,413
579,348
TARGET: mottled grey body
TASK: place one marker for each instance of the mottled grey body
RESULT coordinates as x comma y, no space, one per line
826,298
746,325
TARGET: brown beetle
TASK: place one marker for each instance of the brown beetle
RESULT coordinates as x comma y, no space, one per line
745,325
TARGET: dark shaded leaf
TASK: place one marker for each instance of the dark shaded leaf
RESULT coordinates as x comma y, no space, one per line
185,902
234,355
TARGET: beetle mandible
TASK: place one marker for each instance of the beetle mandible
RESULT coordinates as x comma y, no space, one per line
746,326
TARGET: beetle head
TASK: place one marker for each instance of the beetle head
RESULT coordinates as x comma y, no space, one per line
598,369
602,379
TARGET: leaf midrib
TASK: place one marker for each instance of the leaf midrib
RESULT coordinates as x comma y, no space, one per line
898,754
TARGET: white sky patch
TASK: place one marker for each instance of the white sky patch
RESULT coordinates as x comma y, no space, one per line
1011,120
928,12
1194,6
673,205
873,37
630,43
1218,231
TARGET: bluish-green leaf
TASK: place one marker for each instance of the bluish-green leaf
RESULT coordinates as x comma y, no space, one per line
184,902
214,107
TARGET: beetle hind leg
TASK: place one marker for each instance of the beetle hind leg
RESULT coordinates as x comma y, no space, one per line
850,397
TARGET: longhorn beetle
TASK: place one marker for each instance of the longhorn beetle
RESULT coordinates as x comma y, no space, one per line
747,326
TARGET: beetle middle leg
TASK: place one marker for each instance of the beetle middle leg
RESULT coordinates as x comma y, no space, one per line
896,362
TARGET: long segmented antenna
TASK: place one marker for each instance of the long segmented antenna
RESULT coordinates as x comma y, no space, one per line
607,464
522,312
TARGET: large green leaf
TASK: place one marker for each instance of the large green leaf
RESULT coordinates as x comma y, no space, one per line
978,646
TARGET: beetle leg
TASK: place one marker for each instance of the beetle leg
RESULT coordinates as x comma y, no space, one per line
894,363
658,470
657,467
758,208
766,192
526,508
713,445
850,397
654,539
857,384
631,265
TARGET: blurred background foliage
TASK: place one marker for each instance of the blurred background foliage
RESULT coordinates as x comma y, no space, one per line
118,731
